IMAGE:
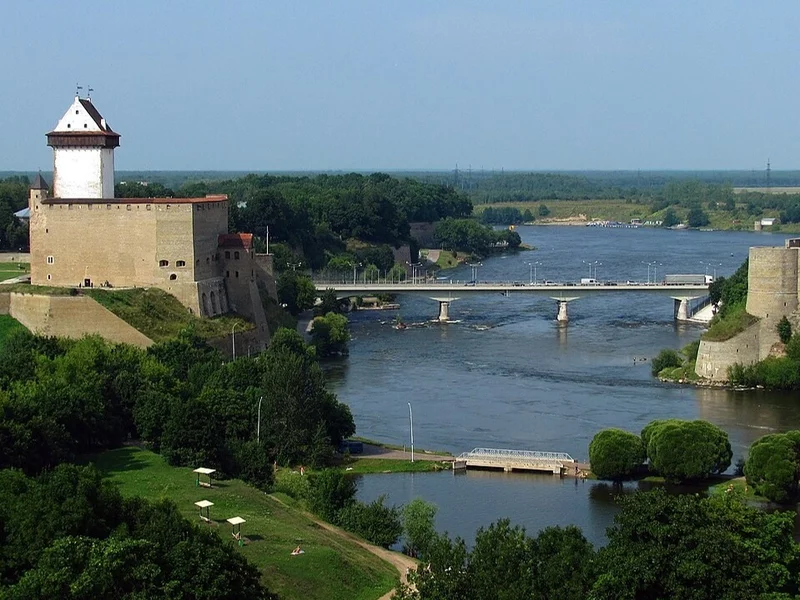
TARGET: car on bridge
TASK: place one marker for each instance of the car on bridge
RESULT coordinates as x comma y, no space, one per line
473,282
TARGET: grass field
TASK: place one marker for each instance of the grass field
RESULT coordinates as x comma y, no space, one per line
12,270
161,316
333,567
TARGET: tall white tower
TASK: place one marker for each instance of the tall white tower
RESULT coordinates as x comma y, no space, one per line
83,153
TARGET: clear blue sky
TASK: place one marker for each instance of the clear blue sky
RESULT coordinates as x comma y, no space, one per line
592,84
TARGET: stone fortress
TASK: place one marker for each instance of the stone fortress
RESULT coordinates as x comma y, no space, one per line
773,281
82,236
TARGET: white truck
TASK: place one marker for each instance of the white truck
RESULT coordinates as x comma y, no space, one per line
588,281
688,279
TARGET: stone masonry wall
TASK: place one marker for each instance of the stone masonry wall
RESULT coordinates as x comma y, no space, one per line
714,358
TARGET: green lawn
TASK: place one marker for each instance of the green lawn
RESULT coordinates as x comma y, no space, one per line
12,270
8,324
332,567
159,315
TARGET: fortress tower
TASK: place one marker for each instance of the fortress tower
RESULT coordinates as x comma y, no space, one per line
83,153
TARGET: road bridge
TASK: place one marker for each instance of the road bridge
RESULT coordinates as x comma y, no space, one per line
515,460
444,292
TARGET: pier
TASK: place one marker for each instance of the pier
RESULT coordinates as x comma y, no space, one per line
514,460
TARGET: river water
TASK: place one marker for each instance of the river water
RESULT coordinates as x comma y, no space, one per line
507,376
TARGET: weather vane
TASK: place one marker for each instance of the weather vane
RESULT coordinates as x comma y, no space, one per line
89,91
78,88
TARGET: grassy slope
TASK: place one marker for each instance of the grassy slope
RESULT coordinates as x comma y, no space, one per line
331,568
161,316
8,324
736,320
12,270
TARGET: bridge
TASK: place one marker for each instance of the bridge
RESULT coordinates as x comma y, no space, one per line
562,293
514,460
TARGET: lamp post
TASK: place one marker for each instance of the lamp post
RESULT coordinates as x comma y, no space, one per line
233,339
474,267
258,424
533,265
411,421
652,264
592,264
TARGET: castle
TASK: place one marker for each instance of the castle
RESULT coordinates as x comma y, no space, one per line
773,292
82,236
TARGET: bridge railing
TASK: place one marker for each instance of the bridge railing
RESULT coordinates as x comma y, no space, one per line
498,453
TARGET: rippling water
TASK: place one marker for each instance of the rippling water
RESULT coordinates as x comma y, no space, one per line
508,376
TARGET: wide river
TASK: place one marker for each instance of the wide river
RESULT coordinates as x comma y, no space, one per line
507,376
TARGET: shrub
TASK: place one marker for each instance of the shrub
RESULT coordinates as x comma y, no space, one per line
615,454
375,522
686,450
252,464
666,358
419,526
784,330
773,466
329,492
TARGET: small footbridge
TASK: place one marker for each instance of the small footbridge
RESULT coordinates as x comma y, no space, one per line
514,460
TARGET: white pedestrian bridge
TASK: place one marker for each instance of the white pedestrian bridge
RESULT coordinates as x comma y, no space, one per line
514,460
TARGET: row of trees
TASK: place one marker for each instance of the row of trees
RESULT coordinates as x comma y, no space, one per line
660,547
467,235
13,197
68,534
60,399
675,449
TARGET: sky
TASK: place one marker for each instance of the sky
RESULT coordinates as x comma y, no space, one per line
394,85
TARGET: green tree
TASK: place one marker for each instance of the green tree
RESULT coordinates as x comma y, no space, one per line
773,466
330,303
501,563
419,527
375,522
329,492
296,292
686,546
686,450
543,211
697,218
616,454
665,359
565,564
330,335
784,328
527,216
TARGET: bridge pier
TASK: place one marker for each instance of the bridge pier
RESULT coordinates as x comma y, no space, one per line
444,309
563,316
681,311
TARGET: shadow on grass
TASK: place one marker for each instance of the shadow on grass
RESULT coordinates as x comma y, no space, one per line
127,458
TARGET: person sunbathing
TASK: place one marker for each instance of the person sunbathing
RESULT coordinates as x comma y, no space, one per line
297,551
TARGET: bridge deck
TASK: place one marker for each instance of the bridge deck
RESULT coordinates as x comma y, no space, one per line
461,287
516,460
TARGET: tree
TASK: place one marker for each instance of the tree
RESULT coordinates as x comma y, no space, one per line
329,492
375,522
543,211
330,335
697,218
784,328
773,466
330,303
296,291
527,216
616,454
686,450
666,359
501,563
564,564
686,546
670,219
419,527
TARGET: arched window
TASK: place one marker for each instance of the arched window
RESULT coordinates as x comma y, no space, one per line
163,263
173,277
236,255
181,263
237,273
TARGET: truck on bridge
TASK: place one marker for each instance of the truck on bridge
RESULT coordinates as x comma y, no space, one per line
688,279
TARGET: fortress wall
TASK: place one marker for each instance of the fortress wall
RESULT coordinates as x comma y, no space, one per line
209,220
772,282
99,241
71,316
714,358
173,243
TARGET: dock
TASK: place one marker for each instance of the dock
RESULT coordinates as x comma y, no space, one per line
514,460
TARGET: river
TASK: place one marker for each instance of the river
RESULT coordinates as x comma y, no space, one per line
507,376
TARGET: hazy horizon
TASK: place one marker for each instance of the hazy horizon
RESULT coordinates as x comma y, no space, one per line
321,87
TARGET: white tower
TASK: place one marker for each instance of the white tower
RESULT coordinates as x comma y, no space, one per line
83,153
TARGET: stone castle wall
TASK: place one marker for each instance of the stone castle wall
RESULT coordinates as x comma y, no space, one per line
772,282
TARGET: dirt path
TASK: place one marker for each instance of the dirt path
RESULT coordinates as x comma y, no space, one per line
372,451
401,562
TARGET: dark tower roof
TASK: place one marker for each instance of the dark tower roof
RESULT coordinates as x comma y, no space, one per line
39,183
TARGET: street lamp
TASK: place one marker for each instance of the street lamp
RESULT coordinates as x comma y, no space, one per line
258,425
233,339
653,264
474,267
411,421
592,264
533,266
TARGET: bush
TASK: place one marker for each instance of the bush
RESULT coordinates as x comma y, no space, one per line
615,454
667,358
253,464
773,466
419,527
329,334
686,450
329,492
375,522
784,330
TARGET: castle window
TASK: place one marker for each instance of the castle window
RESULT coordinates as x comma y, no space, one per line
172,276
69,125
50,260
129,206
49,277
227,254
47,231
237,273
236,255
77,112
227,273
168,206
85,126
108,206
147,207
180,263
163,263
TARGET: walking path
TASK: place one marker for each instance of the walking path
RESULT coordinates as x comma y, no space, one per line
372,451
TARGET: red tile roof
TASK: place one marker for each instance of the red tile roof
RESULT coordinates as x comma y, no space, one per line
235,240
